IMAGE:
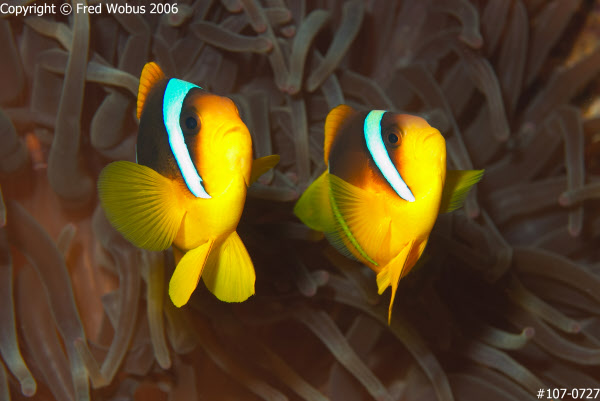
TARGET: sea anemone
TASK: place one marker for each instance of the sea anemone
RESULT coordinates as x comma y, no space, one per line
505,302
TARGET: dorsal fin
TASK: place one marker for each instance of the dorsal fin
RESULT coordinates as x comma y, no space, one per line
151,74
335,119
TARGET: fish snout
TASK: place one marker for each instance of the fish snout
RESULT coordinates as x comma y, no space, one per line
433,143
235,141
236,134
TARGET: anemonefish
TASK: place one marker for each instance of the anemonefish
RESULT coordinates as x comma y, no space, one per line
385,183
188,187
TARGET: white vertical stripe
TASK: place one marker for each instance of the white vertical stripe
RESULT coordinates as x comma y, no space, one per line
372,129
174,96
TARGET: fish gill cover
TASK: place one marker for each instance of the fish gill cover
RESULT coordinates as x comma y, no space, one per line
506,303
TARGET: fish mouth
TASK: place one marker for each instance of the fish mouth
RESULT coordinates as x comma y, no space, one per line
429,136
236,129
229,132
432,136
433,144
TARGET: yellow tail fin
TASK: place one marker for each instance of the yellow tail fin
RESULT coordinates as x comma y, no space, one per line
187,273
229,272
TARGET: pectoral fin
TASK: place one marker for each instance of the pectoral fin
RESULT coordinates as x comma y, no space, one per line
261,166
313,207
457,186
187,273
229,272
141,204
391,274
360,214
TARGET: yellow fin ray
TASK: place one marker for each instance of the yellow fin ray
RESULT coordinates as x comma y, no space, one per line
364,214
229,272
261,166
341,243
334,121
391,274
457,186
141,204
187,273
151,74
313,207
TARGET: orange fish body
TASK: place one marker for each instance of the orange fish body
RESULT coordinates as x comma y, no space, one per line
188,187
385,185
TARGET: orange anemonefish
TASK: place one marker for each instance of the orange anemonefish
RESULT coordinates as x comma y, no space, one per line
188,187
385,184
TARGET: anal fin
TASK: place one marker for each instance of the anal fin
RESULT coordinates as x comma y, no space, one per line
229,272
187,274
391,274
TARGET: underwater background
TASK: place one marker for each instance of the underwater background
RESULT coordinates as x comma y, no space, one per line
505,303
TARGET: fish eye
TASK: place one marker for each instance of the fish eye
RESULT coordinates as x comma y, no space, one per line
191,123
392,137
